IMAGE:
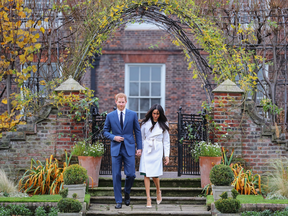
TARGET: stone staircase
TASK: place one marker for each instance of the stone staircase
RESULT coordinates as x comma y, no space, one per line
179,198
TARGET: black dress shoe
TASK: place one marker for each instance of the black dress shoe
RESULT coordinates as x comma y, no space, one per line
127,199
118,205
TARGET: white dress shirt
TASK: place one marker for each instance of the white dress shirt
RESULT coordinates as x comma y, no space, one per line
123,115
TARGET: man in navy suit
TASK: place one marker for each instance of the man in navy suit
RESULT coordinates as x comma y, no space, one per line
119,127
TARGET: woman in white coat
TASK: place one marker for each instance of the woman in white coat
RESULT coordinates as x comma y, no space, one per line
155,138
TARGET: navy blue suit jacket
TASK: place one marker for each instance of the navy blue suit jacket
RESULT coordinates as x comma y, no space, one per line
112,128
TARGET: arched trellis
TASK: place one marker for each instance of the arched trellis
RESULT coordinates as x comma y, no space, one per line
146,12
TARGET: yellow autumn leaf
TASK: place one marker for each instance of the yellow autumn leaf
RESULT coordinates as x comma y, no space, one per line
4,101
42,82
22,59
34,68
42,30
30,58
39,22
46,19
22,14
21,44
29,23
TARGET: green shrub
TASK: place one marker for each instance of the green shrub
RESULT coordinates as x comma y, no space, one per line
234,193
224,195
69,205
75,174
250,213
4,211
221,175
40,211
64,193
19,210
228,205
53,212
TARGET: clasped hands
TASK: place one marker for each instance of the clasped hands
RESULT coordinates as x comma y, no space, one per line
120,139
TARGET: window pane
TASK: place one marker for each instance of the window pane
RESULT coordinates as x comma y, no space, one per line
144,104
155,101
134,89
133,104
144,89
155,89
145,73
134,73
142,115
156,73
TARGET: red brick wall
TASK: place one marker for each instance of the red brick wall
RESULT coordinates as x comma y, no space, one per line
133,47
245,136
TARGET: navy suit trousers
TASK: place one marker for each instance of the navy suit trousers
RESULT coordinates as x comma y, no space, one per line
129,170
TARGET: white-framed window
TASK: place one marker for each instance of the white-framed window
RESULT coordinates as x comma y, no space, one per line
144,86
248,16
39,4
260,91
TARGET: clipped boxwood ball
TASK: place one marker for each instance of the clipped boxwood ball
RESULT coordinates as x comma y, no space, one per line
75,174
228,205
221,175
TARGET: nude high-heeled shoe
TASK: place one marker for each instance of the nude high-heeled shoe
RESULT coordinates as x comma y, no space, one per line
149,202
159,198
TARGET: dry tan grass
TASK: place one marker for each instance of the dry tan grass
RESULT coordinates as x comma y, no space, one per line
6,185
278,178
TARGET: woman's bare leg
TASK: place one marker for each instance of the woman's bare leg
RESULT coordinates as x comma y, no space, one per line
147,188
158,191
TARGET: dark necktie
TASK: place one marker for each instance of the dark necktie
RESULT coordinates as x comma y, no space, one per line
121,120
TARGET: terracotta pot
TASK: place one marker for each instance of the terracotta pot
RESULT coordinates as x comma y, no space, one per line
92,165
206,164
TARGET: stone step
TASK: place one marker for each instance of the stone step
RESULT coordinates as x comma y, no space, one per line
142,200
140,191
142,210
164,182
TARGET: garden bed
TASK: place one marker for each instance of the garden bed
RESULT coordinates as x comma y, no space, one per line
250,199
37,198
46,201
252,203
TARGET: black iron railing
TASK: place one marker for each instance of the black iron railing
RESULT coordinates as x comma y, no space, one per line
191,129
98,121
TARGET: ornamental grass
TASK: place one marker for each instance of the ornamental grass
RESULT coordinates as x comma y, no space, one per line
6,185
44,178
244,181
278,178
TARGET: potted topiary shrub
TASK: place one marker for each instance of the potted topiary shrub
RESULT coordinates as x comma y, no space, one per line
228,206
221,176
68,206
74,178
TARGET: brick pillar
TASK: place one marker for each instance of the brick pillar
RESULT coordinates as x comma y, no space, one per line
227,113
68,129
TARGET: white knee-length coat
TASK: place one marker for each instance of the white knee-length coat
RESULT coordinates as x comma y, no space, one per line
153,144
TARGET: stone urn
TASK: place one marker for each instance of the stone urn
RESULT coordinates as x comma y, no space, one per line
70,214
218,190
79,189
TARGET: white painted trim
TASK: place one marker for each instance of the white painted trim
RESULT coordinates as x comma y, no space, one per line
141,26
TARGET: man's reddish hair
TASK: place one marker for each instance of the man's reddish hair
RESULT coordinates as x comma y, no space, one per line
120,95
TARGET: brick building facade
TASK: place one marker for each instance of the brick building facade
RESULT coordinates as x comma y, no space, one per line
129,50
